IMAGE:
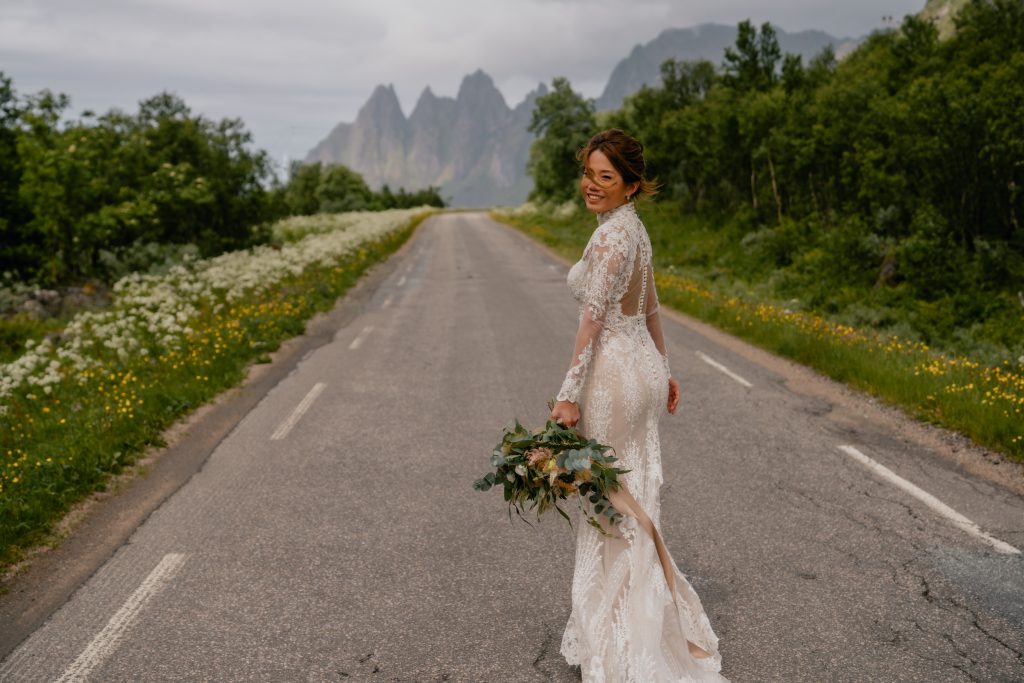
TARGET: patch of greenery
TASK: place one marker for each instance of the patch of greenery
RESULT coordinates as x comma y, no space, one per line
59,446
874,349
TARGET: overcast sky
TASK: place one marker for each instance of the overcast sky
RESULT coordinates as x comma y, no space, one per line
293,69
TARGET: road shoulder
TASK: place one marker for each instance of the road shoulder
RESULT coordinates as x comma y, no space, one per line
92,531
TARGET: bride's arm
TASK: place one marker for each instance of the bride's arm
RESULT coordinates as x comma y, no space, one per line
604,262
586,338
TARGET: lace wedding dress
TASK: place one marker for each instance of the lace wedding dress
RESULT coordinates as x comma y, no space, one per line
635,618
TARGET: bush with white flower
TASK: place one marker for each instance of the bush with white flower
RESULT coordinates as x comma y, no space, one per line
84,402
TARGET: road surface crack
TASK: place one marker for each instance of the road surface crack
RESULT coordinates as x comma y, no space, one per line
960,610
544,647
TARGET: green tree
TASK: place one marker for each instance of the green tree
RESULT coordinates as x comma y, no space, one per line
342,189
300,192
16,252
563,122
752,64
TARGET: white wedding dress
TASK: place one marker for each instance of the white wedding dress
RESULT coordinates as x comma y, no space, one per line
628,624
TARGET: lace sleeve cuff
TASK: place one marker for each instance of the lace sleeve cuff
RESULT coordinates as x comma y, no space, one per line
572,386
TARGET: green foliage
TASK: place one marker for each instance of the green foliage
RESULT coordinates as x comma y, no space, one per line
889,182
331,188
79,197
60,447
563,122
752,65
71,190
538,469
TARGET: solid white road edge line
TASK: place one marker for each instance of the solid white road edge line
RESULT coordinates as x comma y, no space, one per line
718,366
931,501
291,420
106,641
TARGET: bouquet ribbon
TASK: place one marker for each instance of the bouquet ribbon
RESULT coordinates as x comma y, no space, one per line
624,502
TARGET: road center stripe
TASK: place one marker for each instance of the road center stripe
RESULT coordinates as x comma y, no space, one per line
304,404
106,641
931,501
718,366
361,337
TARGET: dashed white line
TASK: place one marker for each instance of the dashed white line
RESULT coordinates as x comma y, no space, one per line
360,338
718,366
291,420
106,641
387,302
931,501
401,281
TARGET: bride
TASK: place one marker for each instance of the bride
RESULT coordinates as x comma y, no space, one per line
635,618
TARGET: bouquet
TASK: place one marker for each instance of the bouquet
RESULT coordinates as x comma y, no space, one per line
540,469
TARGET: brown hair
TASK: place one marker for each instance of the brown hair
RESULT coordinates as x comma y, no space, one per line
627,156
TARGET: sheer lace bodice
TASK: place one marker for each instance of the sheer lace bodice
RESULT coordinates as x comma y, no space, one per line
614,285
635,618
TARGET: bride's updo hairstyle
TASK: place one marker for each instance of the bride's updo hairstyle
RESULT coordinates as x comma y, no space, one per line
627,156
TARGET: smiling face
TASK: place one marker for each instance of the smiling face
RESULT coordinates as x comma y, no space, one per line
602,186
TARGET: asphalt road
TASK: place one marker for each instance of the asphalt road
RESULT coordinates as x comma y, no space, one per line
334,535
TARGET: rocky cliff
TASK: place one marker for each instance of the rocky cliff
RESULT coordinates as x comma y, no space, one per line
475,147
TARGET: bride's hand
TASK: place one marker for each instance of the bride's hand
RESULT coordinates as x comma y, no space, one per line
673,395
565,413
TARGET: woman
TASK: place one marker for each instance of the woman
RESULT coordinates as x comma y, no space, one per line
634,615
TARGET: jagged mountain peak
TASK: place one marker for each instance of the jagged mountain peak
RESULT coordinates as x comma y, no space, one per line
429,106
474,146
526,106
383,97
426,100
479,87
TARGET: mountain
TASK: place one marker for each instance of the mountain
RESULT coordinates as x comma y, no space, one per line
475,147
706,41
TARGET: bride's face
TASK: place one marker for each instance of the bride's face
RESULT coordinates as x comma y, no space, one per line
602,185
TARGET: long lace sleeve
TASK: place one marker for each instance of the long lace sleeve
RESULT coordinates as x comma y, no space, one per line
604,261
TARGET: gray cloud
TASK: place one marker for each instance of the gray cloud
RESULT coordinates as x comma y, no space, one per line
292,70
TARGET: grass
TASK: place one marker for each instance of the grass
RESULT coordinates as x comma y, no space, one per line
18,329
56,448
984,402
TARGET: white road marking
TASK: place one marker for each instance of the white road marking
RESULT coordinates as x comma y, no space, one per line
718,366
401,281
387,302
931,501
106,641
358,341
304,404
